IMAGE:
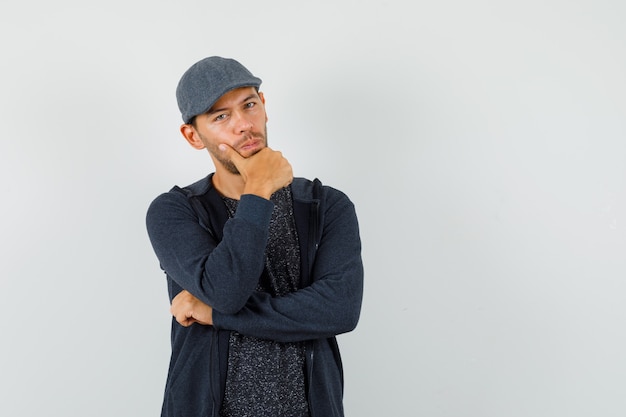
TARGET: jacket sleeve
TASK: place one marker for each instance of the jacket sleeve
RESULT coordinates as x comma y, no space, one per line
221,275
330,306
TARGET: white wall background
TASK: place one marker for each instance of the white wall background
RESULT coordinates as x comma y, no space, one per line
483,142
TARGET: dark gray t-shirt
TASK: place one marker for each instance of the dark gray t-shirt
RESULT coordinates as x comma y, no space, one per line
265,377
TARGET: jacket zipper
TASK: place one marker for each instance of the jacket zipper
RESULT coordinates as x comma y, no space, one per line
212,372
311,353
313,245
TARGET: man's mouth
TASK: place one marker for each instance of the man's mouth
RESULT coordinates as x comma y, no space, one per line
250,145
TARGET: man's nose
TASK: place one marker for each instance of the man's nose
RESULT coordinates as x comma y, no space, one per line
242,122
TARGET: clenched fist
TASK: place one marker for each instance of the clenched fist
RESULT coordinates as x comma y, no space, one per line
187,310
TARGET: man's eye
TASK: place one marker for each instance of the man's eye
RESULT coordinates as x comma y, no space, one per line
250,104
220,117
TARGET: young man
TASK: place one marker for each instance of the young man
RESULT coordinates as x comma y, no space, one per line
263,269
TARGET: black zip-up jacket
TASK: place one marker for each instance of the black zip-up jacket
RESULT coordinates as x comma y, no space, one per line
220,261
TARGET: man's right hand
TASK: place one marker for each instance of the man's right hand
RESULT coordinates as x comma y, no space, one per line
263,173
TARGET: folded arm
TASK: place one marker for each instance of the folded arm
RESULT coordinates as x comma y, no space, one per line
330,306
221,275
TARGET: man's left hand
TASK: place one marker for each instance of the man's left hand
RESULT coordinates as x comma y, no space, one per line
187,310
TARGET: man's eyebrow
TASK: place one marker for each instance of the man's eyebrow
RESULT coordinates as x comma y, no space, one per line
217,110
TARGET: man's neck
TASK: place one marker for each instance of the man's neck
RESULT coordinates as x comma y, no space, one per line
228,184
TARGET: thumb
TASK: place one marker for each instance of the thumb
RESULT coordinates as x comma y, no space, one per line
230,153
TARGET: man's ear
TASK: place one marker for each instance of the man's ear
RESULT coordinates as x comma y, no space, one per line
192,136
262,97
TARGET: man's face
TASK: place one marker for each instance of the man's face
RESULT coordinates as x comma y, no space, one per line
237,119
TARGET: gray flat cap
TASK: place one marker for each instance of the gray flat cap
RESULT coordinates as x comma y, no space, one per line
207,80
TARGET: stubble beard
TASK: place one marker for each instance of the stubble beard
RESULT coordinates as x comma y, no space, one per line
228,164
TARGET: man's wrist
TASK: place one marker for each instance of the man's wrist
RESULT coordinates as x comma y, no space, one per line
258,190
